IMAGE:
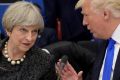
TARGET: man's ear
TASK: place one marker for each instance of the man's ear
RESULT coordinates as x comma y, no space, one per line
107,14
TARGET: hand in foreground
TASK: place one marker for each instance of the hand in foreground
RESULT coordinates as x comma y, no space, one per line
68,72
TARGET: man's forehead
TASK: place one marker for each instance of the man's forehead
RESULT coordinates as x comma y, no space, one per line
83,11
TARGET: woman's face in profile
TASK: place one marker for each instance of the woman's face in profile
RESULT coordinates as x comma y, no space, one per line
23,38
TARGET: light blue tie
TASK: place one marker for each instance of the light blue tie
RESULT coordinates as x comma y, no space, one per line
108,60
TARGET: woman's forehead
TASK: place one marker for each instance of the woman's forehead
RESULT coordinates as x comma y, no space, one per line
28,26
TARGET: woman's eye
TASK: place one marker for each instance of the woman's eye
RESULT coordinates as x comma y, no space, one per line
35,31
22,30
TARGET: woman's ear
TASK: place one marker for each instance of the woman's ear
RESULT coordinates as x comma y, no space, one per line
8,33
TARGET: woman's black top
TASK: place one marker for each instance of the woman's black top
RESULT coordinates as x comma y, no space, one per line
38,65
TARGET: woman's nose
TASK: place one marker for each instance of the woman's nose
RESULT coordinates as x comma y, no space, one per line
29,36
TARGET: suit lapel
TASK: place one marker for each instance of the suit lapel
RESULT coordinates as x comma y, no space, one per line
99,61
116,74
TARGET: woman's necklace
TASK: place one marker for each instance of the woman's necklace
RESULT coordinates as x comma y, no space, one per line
13,62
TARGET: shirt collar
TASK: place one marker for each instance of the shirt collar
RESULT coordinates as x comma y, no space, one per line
116,34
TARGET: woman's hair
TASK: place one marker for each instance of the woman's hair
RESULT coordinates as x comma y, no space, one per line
22,13
97,5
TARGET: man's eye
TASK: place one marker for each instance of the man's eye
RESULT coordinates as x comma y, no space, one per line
85,15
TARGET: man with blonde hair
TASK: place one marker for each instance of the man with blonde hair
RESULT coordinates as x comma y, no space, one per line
102,18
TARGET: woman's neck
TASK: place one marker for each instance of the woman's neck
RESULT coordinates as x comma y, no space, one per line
13,52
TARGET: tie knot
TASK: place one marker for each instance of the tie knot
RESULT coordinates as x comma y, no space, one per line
111,43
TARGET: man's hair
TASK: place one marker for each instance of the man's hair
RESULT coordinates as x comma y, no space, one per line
97,5
79,4
22,13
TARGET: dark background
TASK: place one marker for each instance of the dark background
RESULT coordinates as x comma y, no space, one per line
8,1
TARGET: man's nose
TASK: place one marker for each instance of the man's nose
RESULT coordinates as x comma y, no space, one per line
84,22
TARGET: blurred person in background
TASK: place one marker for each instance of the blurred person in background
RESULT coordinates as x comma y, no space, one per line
47,36
61,15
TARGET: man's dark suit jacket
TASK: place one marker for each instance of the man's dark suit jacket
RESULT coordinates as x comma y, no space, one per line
87,56
99,61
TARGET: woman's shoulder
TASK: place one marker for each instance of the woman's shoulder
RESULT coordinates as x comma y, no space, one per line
40,56
38,62
39,51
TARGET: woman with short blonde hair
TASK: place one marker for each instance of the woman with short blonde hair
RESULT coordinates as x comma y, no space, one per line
19,58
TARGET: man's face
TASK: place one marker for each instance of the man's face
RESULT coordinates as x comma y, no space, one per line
94,21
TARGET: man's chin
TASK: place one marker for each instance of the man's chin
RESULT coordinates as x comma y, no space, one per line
96,36
100,37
